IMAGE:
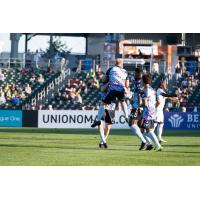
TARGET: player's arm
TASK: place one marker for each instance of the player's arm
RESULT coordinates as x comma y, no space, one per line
168,95
127,83
104,87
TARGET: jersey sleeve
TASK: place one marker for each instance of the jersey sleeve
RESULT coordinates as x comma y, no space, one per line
108,71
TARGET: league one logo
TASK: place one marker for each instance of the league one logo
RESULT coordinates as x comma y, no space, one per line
175,120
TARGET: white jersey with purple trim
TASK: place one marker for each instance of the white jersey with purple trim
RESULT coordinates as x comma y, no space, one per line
117,78
161,99
160,107
149,111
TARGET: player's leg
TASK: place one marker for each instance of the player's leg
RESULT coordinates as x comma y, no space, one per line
133,124
106,101
149,124
107,130
160,131
102,136
109,118
160,128
121,97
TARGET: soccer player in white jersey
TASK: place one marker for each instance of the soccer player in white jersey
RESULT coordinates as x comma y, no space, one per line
161,97
149,110
136,115
117,87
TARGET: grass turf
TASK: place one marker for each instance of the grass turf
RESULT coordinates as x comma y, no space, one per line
75,147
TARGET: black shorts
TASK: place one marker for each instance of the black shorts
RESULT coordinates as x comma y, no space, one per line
109,117
148,124
112,95
135,114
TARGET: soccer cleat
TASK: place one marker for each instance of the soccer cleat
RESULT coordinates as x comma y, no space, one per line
105,145
142,146
149,147
96,123
159,149
161,140
100,145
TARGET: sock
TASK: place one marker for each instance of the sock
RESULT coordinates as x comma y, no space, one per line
105,136
160,130
136,130
100,113
147,138
103,140
153,137
155,125
125,108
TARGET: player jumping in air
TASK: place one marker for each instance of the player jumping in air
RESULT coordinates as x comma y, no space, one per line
149,110
117,87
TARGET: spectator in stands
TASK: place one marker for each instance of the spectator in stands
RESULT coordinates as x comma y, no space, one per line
2,77
8,94
65,96
155,68
28,89
50,107
99,73
15,100
32,79
90,74
37,57
95,83
183,109
74,82
68,88
13,88
40,79
2,98
83,87
184,83
36,69
49,69
22,95
33,107
178,72
78,98
72,95
41,107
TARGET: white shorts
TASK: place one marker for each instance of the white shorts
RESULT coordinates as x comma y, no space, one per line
160,116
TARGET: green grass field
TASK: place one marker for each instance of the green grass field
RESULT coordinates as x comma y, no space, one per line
75,147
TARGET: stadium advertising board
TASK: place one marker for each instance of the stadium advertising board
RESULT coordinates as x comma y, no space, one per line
74,119
11,118
84,119
182,121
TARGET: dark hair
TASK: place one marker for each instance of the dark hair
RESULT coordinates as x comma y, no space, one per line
161,85
147,79
138,70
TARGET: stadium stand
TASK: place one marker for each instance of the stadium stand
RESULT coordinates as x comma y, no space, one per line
21,85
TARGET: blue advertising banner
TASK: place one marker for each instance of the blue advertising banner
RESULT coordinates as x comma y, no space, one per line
182,121
11,118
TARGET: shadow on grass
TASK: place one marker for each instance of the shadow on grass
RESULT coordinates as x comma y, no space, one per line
181,133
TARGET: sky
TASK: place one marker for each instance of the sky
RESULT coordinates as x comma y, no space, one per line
41,42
